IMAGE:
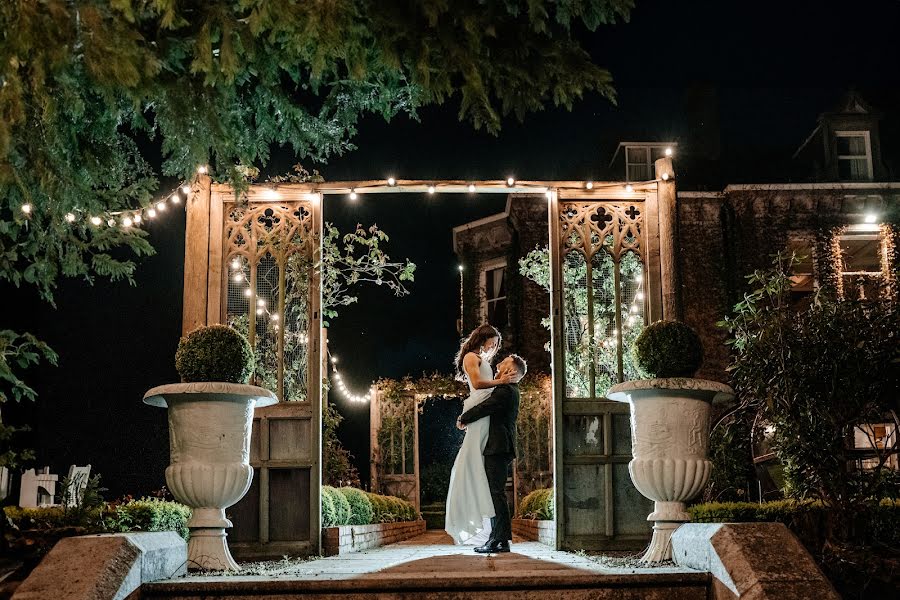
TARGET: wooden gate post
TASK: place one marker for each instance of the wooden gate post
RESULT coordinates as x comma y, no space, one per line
668,220
196,254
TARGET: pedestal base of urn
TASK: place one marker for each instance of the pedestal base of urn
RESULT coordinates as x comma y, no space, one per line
208,546
660,548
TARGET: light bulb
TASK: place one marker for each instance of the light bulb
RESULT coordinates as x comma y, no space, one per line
186,189
151,213
631,320
471,187
176,199
275,317
160,206
629,188
589,185
126,222
259,311
665,176
871,218
202,169
639,295
391,181
430,189
96,221
238,277
70,217
334,360
633,309
26,208
261,302
235,264
111,222
460,267
248,292
668,152
353,195
510,181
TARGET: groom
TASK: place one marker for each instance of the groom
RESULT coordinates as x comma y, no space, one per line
503,408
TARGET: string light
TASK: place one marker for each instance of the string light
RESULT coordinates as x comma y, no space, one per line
137,218
391,181
589,185
261,302
151,213
430,189
161,206
629,188
176,199
510,181
186,189
668,152
235,264
238,277
111,222
26,208
202,170
127,222
353,195
96,221
665,176
70,217
248,292
471,187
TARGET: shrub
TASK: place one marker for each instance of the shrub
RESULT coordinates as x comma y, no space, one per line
389,509
435,480
537,505
360,506
328,512
149,514
214,353
340,505
668,349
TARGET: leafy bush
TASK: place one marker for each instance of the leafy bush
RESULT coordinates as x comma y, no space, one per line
149,514
214,353
389,509
339,505
668,349
146,514
328,513
360,506
537,505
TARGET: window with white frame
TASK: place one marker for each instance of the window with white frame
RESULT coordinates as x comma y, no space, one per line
861,264
493,286
879,439
854,155
639,161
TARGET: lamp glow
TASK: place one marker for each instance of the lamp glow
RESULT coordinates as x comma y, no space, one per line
430,189
261,302
871,218
668,152
235,264
96,221
186,189
238,277
70,217
353,195
202,170
160,206
151,213
176,199
137,218
26,208
248,292
460,267
510,181
629,188
589,185
259,311
391,181
471,187
665,176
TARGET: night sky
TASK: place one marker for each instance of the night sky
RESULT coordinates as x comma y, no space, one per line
763,72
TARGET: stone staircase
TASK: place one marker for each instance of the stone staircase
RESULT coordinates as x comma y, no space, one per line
434,514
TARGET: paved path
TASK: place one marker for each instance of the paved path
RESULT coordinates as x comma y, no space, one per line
432,556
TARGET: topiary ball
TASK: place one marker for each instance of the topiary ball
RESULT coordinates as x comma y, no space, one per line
214,353
668,349
360,506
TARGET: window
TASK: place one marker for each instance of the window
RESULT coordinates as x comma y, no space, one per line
874,439
854,155
803,280
861,268
493,283
639,162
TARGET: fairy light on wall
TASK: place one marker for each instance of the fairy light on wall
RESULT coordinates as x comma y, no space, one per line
341,386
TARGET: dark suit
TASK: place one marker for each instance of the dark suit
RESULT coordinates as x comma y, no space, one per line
502,406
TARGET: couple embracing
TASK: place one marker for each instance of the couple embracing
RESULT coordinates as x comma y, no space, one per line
477,510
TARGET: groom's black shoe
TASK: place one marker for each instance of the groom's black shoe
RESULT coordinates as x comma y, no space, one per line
493,547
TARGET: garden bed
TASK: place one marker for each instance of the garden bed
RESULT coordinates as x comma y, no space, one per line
535,530
355,538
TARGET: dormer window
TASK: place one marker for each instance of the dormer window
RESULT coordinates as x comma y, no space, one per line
640,158
854,155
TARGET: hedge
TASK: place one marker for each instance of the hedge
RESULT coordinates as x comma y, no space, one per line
146,514
807,519
537,505
350,506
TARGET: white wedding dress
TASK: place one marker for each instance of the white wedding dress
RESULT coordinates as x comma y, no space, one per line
469,506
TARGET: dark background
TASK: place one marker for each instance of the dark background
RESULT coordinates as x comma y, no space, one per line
738,85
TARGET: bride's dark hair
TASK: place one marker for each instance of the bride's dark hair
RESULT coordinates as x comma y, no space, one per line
476,340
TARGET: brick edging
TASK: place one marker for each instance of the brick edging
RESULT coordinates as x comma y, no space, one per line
355,538
535,530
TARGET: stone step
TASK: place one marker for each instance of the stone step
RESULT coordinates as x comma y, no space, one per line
525,585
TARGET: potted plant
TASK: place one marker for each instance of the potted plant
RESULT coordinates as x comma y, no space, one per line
669,426
210,418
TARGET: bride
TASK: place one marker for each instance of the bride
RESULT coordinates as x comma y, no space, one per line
469,505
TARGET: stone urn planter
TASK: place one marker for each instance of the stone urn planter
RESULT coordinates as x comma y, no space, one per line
669,445
210,419
209,470
669,426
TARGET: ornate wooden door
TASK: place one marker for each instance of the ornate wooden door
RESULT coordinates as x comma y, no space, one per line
265,283
394,445
605,287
